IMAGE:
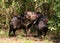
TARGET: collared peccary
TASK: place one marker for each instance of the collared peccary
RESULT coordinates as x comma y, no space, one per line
17,22
41,25
42,28
32,16
14,25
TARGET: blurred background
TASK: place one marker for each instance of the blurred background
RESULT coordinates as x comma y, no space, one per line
50,8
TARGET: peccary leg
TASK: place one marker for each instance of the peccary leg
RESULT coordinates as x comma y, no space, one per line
10,30
45,31
14,30
39,33
27,31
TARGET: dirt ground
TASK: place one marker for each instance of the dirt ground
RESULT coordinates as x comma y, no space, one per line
22,40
